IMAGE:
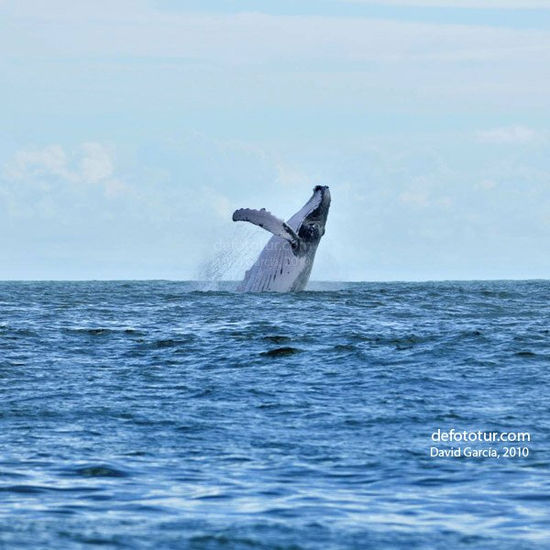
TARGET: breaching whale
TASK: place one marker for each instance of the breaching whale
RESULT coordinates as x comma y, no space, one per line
285,263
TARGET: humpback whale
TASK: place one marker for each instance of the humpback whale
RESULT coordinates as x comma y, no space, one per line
285,263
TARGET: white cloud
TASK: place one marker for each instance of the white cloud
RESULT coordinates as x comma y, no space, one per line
488,184
291,177
221,205
104,9
273,60
426,191
122,9
493,4
255,38
96,164
508,135
416,198
50,160
90,164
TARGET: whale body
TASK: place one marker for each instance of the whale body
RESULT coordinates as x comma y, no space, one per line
285,263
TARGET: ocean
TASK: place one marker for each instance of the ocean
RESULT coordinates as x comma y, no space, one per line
164,414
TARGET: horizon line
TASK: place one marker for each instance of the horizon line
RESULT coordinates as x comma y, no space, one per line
329,281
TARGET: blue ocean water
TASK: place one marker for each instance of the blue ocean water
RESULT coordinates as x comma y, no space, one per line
160,415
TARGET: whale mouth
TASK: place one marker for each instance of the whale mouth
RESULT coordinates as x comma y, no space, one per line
319,203
315,209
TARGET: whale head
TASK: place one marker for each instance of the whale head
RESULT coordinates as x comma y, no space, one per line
310,221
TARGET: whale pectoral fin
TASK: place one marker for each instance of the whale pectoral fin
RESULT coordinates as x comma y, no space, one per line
268,221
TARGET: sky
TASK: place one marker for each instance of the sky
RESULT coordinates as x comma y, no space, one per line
130,130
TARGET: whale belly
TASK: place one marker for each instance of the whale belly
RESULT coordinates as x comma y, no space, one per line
277,269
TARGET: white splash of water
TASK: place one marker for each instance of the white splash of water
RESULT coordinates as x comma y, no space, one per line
230,256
